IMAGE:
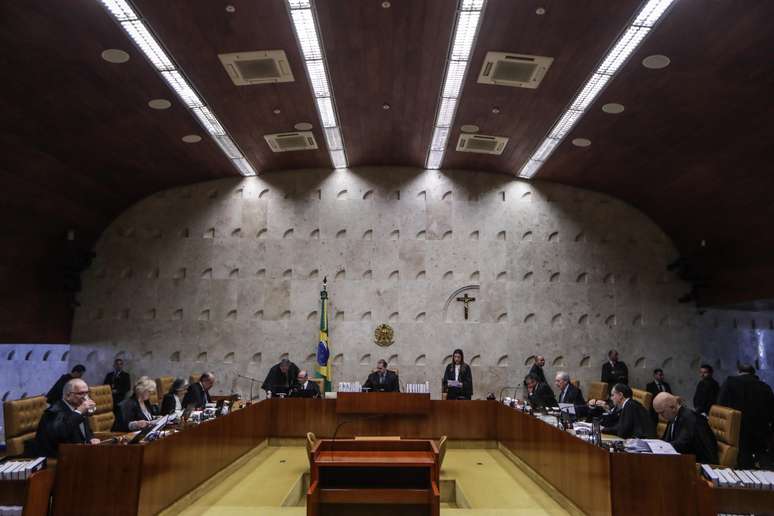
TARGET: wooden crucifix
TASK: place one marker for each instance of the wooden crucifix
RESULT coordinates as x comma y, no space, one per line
466,300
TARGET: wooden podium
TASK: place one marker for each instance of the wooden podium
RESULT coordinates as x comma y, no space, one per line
355,477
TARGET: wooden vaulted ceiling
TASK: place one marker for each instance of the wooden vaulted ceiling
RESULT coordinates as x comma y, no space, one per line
80,145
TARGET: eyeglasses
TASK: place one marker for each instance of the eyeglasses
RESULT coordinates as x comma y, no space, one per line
82,393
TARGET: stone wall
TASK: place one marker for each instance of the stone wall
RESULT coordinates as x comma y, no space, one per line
225,275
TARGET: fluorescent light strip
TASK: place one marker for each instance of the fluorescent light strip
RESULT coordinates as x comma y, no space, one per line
465,31
147,43
305,28
645,19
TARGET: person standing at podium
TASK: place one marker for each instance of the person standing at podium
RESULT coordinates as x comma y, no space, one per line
457,379
382,380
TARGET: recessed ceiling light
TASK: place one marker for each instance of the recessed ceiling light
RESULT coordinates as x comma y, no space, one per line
386,5
276,111
386,106
613,108
303,126
191,138
495,110
656,62
540,11
469,128
581,142
114,55
159,104
230,9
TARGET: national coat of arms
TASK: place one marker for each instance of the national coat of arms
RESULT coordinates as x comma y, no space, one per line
383,335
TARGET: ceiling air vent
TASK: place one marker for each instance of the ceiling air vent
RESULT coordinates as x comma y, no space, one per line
260,67
482,143
516,70
284,142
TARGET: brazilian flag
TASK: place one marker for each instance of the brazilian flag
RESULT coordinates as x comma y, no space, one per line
323,351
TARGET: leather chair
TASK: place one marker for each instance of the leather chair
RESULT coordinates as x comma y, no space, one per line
194,378
576,383
163,384
725,423
21,422
598,391
102,420
644,397
320,383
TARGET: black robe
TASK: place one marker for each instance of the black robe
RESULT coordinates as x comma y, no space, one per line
538,372
391,382
754,398
312,390
60,424
633,421
130,411
706,395
615,374
465,376
690,433
277,381
55,393
573,395
196,395
542,396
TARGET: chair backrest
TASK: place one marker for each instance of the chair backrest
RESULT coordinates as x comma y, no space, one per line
21,422
163,384
644,397
194,378
441,450
103,418
725,423
598,391
311,440
320,383
576,383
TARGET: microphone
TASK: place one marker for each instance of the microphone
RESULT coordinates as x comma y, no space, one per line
362,418
506,388
247,377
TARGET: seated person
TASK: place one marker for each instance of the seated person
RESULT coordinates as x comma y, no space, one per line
55,393
634,419
173,400
137,411
687,431
66,420
281,377
539,394
305,388
457,380
382,380
198,394
568,393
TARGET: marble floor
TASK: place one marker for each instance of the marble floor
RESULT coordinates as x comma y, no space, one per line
489,484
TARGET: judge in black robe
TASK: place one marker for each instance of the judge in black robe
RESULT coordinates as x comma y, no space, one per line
458,371
304,387
568,393
382,380
281,377
686,431
634,420
198,394
539,395
65,422
55,393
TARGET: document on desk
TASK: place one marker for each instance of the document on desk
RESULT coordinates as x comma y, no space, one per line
567,407
659,447
454,383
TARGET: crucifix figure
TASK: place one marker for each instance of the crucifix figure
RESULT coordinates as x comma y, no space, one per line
466,300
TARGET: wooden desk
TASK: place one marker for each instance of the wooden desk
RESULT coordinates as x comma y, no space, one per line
374,477
382,403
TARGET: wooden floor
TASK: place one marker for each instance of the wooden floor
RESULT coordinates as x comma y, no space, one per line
490,483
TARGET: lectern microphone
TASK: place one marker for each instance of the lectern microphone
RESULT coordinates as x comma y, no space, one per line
362,418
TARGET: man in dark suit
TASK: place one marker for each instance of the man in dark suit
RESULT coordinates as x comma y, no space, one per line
614,371
304,388
383,380
634,420
537,369
539,394
281,377
706,390
755,399
119,382
568,393
66,420
198,393
687,431
55,393
657,386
